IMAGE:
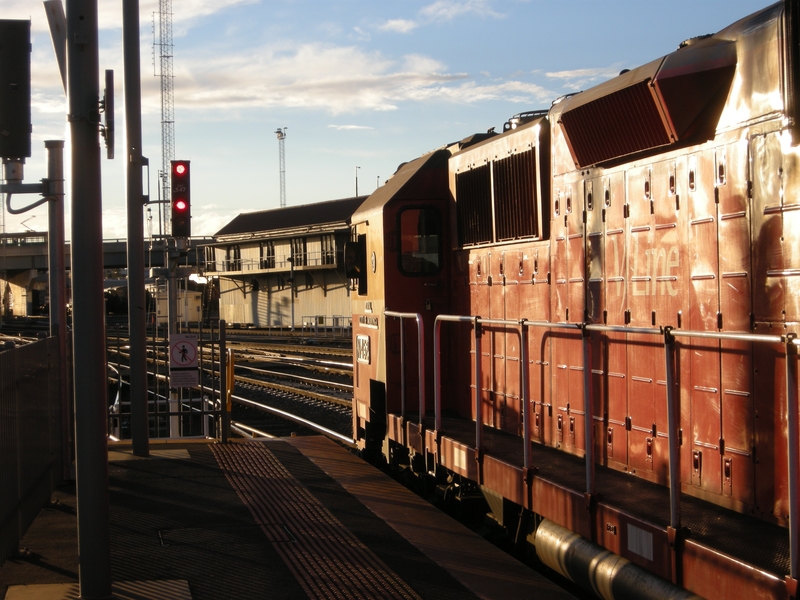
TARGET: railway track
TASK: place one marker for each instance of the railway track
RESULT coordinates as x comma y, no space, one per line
282,399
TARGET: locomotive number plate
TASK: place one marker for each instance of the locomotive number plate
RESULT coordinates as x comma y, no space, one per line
362,349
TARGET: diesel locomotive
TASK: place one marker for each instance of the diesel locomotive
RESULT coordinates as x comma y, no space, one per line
592,317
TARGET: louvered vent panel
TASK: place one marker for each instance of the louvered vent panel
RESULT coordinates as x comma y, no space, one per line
473,206
615,125
514,196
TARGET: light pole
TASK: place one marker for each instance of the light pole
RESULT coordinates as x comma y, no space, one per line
291,287
357,168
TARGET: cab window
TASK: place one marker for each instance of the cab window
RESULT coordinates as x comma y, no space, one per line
420,238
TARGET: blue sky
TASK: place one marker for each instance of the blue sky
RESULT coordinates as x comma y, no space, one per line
357,83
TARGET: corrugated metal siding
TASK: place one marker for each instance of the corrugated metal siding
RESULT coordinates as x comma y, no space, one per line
268,304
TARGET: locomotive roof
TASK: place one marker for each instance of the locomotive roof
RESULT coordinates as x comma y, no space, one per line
331,212
404,174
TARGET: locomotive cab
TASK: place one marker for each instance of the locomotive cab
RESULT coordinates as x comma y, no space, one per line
397,263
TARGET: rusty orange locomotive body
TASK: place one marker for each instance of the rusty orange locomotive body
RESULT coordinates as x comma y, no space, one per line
592,316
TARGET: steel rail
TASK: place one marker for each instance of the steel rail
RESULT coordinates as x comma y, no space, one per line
299,420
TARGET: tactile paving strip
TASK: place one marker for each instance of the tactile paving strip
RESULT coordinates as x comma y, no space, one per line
325,557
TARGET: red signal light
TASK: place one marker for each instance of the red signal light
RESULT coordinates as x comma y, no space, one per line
181,199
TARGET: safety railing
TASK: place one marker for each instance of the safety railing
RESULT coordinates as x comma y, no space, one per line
201,410
668,334
420,362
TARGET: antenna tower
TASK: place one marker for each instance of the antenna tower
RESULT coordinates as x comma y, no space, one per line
167,106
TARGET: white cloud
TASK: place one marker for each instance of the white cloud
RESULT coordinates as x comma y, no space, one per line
577,79
398,25
349,127
446,10
338,79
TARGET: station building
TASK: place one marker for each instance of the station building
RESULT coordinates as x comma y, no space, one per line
284,268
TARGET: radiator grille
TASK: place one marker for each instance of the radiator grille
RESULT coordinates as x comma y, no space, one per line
615,125
515,196
473,206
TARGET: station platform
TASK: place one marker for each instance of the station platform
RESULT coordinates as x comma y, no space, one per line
288,518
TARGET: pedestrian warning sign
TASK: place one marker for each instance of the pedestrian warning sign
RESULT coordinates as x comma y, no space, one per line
183,362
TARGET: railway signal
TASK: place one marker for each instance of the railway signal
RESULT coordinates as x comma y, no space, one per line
181,199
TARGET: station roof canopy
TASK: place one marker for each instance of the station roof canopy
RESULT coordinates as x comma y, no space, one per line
291,220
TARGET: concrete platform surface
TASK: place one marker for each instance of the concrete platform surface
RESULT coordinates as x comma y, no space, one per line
291,518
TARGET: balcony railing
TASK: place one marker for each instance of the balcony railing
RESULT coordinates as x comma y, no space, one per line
278,263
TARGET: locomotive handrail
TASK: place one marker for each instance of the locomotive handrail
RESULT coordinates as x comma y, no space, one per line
420,366
790,342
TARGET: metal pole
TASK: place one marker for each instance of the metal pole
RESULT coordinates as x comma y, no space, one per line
794,457
291,287
526,405
223,384
133,187
478,412
588,408
89,349
402,370
437,373
172,303
58,289
673,425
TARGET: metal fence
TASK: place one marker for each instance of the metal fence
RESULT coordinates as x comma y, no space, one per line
30,436
328,325
173,412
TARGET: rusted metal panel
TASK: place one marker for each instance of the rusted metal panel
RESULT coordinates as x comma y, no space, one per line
515,281
642,355
616,378
738,461
768,255
395,429
595,250
494,343
459,458
738,416
533,304
480,278
714,576
562,506
640,246
558,260
540,380
771,426
706,431
576,262
791,257
669,246
646,546
414,437
561,382
577,420
508,480
615,263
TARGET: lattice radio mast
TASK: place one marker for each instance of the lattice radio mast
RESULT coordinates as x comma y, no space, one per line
281,133
167,107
